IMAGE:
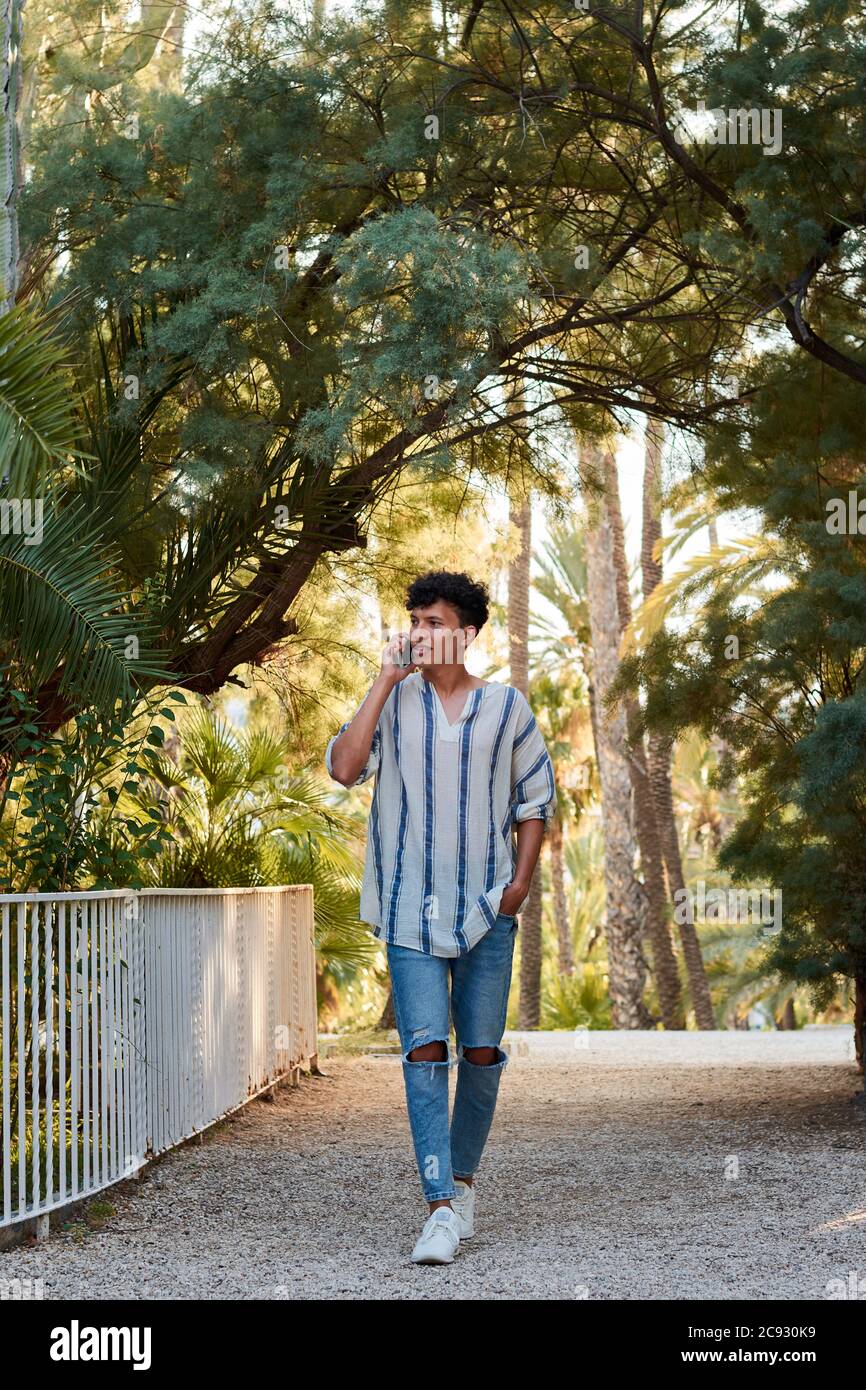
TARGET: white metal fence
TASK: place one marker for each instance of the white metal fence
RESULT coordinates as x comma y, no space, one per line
131,1021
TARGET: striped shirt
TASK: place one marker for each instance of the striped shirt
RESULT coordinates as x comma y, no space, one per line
440,848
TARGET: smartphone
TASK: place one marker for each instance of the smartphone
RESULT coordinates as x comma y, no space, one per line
404,654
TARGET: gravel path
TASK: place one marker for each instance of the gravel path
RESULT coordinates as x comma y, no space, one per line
620,1166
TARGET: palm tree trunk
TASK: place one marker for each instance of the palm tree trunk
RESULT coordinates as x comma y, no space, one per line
660,777
529,998
625,915
560,905
651,566
660,747
520,517
665,968
12,78
388,1018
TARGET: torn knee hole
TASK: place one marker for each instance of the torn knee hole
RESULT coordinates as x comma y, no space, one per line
435,1050
485,1055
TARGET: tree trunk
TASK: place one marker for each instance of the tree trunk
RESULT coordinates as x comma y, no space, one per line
860,1019
388,1018
665,968
660,748
660,778
560,905
651,567
625,915
529,1004
520,516
12,81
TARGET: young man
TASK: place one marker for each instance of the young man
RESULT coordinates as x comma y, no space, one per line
459,762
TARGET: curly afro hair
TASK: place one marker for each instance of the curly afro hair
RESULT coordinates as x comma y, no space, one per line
470,598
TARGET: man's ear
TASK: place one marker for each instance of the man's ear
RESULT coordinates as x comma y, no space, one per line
474,630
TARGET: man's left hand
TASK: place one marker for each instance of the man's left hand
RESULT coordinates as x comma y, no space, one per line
513,896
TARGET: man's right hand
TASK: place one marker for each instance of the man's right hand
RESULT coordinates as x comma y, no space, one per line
391,672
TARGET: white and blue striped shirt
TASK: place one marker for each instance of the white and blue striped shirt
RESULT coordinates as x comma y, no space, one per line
440,848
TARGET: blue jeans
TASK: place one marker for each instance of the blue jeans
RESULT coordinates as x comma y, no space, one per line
481,979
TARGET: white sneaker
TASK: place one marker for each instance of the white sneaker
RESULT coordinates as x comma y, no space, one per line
440,1239
464,1205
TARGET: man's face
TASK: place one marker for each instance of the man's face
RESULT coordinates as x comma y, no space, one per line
436,636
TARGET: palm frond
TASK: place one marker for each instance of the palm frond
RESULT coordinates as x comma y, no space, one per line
58,614
688,522
38,428
742,561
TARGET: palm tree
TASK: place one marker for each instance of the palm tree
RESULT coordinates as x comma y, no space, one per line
584,860
520,517
12,80
67,627
563,583
581,998
742,565
708,811
665,968
520,520
734,952
660,747
625,917
563,652
557,700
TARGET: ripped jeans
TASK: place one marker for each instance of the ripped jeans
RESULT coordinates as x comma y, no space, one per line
481,979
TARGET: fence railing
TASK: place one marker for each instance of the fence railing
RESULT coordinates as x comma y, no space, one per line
131,1021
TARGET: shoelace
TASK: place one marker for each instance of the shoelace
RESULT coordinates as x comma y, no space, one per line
434,1220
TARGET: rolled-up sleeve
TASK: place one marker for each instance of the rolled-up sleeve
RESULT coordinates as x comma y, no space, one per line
370,765
533,789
